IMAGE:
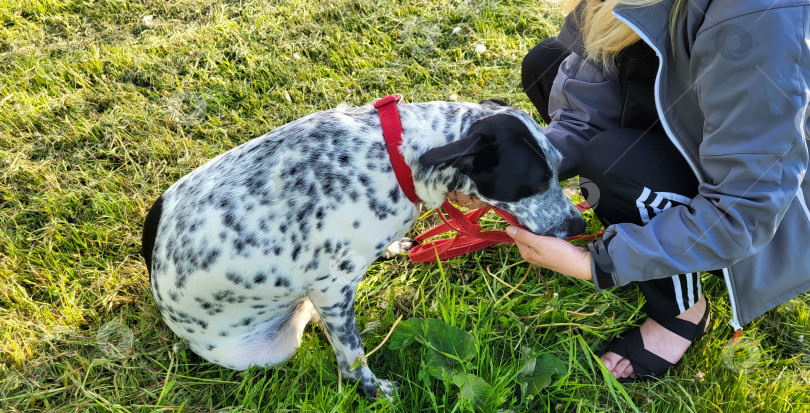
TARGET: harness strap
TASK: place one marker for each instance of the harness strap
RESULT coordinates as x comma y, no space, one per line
392,132
469,235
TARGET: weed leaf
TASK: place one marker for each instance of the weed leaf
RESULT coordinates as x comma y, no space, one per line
538,373
477,391
448,340
441,367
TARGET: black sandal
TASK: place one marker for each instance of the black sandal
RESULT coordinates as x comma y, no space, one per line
648,365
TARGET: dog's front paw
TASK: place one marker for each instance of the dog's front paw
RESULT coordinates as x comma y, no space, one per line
399,247
374,388
388,387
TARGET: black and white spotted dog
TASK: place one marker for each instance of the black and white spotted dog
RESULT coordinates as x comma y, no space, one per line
245,250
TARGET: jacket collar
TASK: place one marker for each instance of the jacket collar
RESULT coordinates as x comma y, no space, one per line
652,21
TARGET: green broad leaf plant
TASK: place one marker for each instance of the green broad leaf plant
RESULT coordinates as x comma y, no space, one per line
447,356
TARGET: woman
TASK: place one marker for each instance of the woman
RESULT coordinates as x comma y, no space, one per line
688,119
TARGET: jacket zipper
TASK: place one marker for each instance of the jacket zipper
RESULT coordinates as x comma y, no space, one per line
735,321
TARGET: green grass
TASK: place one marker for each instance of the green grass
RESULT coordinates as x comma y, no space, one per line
103,107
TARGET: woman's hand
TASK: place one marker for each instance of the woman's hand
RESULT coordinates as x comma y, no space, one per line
465,201
553,253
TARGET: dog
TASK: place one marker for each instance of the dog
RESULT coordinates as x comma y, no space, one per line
248,248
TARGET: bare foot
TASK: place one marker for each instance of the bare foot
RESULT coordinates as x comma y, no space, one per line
659,341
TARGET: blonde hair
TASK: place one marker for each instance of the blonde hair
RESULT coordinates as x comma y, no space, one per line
603,35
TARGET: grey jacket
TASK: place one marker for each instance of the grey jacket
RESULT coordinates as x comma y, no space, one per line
732,95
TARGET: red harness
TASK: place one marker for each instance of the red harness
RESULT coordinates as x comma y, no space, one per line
469,235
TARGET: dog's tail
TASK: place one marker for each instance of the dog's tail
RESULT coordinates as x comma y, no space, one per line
150,227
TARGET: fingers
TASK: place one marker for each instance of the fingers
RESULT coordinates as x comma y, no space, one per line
529,254
523,236
524,245
552,253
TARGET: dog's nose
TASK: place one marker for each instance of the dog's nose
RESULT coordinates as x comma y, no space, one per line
576,226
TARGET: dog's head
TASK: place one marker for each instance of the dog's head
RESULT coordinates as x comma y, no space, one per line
511,165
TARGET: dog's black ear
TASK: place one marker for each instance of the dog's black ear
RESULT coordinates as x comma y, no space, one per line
466,154
493,102
500,155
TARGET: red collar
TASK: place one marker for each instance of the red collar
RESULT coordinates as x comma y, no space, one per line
392,131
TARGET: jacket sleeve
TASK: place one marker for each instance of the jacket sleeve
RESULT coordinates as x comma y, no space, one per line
583,102
753,155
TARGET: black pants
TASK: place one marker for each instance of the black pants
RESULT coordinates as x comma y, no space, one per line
637,174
